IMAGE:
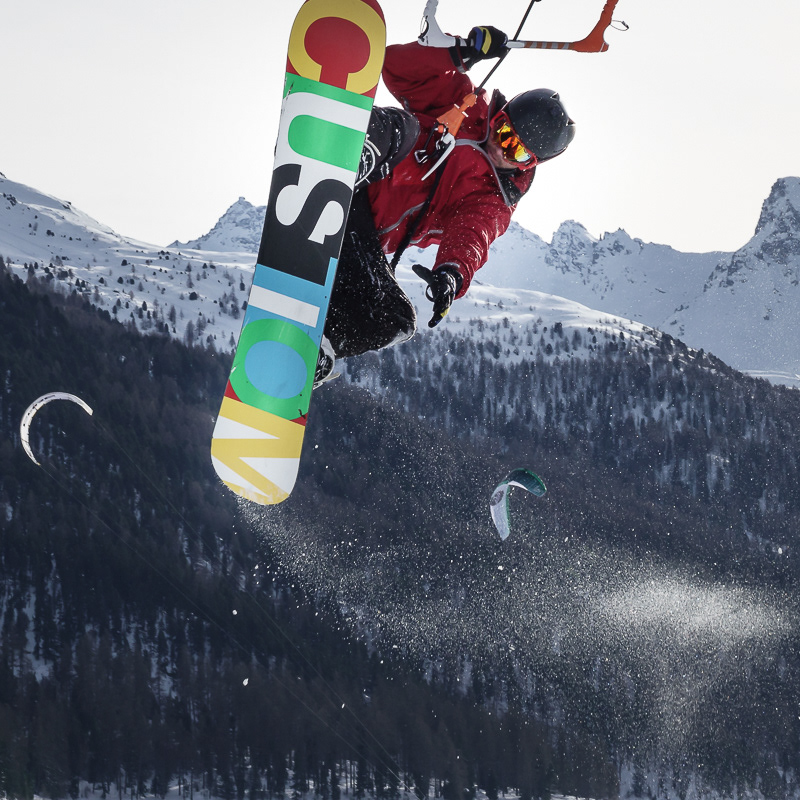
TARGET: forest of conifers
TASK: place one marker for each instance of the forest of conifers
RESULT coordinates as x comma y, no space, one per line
151,637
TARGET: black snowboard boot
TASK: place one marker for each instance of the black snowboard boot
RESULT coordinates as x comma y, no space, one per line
368,308
391,136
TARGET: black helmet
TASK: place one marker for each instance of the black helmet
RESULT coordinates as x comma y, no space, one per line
541,122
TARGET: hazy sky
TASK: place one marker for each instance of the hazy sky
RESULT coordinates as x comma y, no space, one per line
155,116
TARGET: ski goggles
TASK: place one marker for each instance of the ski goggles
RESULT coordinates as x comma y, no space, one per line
513,150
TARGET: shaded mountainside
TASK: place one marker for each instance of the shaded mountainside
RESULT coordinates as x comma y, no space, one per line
636,622
638,619
122,564
673,421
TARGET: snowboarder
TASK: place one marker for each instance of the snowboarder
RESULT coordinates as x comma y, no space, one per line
463,205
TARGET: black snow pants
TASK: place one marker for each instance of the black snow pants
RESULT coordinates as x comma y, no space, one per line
368,309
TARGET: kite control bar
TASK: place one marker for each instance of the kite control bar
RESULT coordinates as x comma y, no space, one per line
431,34
593,43
448,124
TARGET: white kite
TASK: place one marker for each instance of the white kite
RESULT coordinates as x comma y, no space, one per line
27,417
498,505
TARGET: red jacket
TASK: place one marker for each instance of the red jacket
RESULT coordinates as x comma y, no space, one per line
473,203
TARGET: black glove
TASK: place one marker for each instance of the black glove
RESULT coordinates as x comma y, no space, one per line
443,286
484,41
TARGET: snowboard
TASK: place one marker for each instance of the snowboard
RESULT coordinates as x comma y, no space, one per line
336,50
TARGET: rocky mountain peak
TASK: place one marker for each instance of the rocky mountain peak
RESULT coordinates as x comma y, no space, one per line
237,230
782,208
777,236
572,247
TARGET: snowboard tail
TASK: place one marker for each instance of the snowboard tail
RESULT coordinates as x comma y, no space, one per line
336,50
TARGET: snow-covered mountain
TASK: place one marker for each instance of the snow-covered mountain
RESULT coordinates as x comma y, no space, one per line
644,282
197,294
237,230
190,294
740,306
616,273
749,305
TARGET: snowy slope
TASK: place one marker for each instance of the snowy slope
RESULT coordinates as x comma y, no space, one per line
749,305
197,294
741,307
616,273
153,288
37,226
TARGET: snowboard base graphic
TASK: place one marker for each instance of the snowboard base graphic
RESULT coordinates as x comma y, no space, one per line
336,51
